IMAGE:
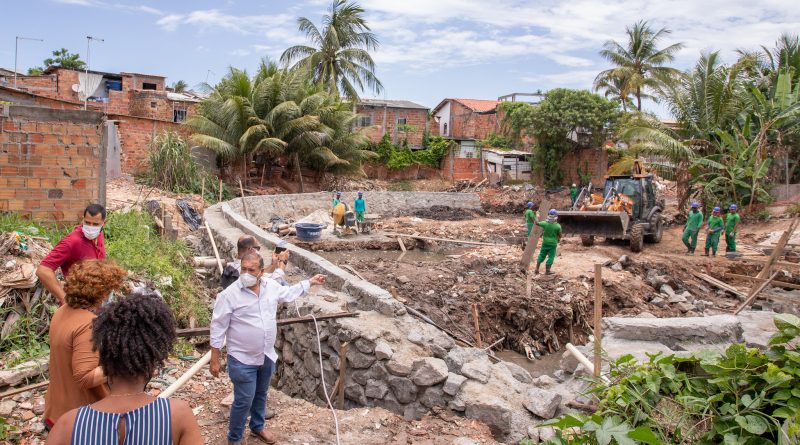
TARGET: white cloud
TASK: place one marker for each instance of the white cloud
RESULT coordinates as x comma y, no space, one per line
120,6
241,52
274,26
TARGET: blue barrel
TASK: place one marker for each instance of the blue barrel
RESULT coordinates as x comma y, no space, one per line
309,231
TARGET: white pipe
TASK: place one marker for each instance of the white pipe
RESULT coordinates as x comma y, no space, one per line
583,360
186,376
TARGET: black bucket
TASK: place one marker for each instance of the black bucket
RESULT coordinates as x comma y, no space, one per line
309,231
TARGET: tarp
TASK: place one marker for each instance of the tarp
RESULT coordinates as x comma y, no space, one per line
89,82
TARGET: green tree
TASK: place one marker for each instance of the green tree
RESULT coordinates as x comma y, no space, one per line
616,88
64,59
564,121
338,56
179,86
639,63
765,64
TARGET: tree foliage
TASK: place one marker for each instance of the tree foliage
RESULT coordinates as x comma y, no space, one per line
398,157
639,64
565,120
338,55
61,58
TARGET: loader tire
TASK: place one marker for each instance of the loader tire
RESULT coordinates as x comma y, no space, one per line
587,240
658,230
637,238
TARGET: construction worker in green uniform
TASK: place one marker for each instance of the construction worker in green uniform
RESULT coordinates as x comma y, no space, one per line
337,198
530,217
731,228
551,235
693,224
360,206
715,227
573,193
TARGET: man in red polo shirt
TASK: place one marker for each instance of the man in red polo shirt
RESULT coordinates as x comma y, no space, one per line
84,243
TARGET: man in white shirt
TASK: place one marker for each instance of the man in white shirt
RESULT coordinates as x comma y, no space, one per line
245,316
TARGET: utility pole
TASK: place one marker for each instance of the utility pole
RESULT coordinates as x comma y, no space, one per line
16,50
86,93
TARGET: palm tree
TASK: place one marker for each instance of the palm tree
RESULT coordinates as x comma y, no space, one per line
617,88
179,86
765,64
640,61
338,57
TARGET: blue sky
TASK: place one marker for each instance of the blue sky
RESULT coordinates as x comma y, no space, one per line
430,49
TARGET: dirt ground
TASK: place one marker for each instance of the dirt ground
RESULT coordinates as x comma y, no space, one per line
296,421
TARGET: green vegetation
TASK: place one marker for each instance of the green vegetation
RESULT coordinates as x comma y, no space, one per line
398,157
638,65
132,240
561,123
171,167
339,57
731,120
61,58
495,140
179,86
742,396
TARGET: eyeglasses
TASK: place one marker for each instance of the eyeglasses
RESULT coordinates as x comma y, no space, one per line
256,247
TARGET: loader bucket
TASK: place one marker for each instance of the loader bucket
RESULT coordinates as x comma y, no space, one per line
611,225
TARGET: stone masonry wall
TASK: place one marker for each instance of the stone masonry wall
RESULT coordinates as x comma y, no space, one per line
296,206
394,360
50,166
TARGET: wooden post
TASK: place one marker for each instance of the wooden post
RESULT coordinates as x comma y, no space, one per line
263,170
533,239
778,251
220,190
342,371
214,245
244,203
477,322
754,293
598,317
203,193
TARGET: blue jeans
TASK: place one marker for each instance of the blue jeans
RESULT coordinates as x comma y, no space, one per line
250,385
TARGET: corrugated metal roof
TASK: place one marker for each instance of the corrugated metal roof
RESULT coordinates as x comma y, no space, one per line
391,103
508,152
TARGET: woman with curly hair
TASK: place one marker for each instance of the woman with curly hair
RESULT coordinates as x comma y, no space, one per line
75,377
133,337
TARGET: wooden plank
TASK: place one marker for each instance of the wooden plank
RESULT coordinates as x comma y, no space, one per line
402,245
214,245
761,280
598,317
244,203
342,370
775,263
720,284
196,332
757,290
533,239
350,268
778,250
15,391
446,240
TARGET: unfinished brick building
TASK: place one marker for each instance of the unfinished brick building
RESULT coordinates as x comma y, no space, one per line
138,104
400,119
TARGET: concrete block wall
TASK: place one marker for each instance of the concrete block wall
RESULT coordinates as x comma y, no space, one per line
135,134
50,162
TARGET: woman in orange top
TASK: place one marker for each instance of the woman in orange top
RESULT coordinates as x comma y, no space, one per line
76,378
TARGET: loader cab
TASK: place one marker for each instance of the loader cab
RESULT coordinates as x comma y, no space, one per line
634,187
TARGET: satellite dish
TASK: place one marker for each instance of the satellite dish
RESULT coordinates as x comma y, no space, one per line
76,88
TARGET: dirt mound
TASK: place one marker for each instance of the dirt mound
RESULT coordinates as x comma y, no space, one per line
514,198
447,213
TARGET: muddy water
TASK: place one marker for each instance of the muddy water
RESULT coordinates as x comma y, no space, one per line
411,256
545,365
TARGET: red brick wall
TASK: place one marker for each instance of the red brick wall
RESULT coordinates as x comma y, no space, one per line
47,84
137,81
141,104
376,171
135,134
415,117
49,162
590,160
467,124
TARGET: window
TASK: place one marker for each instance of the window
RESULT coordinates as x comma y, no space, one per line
178,115
149,86
444,133
153,104
366,121
401,121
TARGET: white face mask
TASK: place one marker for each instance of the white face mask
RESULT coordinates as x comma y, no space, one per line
91,232
248,280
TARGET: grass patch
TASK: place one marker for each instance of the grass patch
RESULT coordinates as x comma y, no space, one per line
400,186
132,240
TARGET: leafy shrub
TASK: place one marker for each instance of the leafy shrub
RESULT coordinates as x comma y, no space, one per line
400,157
743,396
133,242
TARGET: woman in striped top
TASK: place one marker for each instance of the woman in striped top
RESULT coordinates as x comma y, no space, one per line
133,337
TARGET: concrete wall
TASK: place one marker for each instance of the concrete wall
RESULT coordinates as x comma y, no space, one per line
51,162
262,208
784,192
